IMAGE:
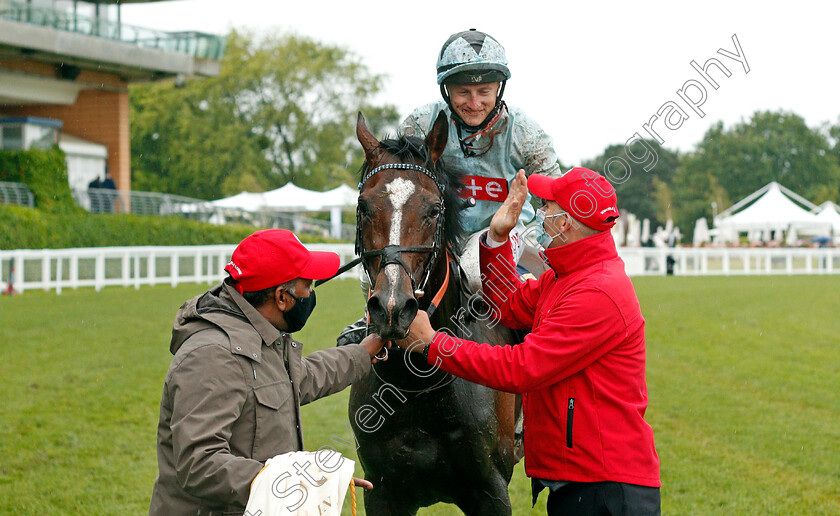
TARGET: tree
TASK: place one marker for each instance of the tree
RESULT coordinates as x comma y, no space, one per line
642,192
282,109
189,141
730,164
303,97
772,146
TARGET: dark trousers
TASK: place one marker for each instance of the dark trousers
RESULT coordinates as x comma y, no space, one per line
603,499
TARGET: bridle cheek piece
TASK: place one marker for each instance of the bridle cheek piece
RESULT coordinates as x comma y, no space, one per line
392,254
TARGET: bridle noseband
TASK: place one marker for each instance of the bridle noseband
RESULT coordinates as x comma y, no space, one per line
392,254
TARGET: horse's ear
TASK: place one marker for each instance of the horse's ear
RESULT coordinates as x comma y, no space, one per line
369,142
436,140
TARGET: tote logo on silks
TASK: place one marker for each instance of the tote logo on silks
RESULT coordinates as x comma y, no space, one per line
484,188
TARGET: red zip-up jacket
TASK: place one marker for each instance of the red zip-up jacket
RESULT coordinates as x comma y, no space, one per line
581,370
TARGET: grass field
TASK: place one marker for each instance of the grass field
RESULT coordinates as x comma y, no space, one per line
743,374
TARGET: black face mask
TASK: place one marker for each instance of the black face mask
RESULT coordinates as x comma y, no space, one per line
297,315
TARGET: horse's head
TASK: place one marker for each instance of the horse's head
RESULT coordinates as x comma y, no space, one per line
400,222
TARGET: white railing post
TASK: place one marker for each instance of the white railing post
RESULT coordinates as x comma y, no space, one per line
789,262
74,271
173,269
152,268
18,279
58,265
197,267
137,272
99,271
46,276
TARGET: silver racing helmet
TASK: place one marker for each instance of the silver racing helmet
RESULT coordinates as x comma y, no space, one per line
472,57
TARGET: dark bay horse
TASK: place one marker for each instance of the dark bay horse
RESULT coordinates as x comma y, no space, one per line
424,436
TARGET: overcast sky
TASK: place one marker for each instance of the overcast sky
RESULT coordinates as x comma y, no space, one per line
591,73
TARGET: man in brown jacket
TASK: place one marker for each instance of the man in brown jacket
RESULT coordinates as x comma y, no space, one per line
232,395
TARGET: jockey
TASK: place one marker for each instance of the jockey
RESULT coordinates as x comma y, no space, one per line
489,141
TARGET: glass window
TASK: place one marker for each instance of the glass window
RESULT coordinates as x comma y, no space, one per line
40,137
13,137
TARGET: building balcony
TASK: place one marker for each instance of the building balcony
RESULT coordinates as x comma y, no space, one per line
196,44
90,35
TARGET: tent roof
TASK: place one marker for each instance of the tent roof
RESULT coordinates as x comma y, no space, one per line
773,210
830,212
292,198
244,201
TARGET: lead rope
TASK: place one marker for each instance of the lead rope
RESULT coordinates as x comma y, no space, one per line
353,497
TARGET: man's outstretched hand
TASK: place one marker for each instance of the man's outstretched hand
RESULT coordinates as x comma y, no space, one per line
507,216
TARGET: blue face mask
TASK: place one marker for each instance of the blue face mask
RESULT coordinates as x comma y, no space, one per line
543,237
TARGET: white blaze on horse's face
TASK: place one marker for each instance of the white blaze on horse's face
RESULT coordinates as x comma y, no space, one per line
399,191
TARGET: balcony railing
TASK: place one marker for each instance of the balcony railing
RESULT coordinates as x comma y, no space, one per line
196,44
16,193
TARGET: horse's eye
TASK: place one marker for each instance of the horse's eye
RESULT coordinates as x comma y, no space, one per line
434,212
363,210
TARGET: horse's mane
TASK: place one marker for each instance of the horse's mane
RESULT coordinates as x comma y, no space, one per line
410,149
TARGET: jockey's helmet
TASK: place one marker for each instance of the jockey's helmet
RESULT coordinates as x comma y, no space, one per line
472,57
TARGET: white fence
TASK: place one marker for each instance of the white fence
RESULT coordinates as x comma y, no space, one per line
98,267
730,261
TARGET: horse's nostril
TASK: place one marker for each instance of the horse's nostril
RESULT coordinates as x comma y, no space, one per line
375,310
407,313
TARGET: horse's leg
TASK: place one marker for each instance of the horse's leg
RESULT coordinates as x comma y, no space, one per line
378,502
491,499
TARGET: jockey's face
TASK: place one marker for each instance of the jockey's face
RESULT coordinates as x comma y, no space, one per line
473,102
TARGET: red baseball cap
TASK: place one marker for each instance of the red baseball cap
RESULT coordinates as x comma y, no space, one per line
586,195
274,256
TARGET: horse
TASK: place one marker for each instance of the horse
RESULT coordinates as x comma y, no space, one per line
424,436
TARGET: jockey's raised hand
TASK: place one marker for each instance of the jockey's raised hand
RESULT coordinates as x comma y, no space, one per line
507,215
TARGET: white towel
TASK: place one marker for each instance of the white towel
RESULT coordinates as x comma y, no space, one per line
302,484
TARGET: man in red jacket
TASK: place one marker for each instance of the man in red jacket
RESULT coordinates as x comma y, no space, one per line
581,370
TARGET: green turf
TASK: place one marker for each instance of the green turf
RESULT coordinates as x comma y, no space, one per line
743,374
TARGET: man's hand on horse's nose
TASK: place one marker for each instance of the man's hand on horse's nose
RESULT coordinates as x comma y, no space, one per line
507,216
420,333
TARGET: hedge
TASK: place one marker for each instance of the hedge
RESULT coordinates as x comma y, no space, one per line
45,172
58,222
28,228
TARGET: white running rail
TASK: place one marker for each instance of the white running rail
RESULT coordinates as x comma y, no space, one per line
98,267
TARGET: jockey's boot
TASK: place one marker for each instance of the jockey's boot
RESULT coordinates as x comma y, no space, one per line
354,333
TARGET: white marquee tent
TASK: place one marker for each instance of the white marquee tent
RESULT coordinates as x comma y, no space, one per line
294,199
770,209
830,213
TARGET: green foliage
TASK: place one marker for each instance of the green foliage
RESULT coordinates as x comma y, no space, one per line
282,109
742,381
45,172
772,146
730,164
27,228
639,193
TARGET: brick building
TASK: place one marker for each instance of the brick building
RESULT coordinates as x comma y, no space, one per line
72,61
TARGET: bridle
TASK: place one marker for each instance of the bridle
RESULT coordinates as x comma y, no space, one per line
392,254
